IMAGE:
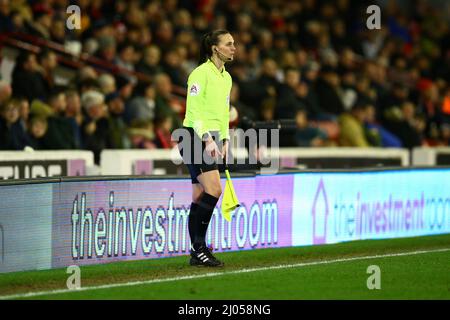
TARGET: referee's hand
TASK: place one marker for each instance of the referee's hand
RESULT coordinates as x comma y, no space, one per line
212,149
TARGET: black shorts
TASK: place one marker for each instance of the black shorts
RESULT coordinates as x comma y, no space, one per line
194,155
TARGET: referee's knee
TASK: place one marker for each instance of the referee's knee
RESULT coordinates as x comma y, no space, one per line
215,191
197,197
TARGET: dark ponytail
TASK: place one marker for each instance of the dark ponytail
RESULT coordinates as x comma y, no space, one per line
208,40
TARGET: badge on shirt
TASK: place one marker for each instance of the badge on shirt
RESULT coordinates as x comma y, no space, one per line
195,89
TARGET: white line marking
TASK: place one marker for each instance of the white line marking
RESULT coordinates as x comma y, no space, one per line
216,274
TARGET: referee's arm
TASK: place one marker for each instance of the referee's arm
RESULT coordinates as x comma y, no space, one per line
196,102
224,131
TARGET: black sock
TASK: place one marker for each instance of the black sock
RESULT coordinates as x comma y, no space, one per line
193,216
204,213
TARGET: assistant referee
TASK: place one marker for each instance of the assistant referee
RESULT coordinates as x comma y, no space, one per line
207,125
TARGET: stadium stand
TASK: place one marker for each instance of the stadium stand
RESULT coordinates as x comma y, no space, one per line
119,80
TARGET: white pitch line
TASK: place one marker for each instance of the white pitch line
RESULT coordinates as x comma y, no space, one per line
216,274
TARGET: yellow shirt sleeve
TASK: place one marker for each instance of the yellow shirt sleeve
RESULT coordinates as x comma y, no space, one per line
195,101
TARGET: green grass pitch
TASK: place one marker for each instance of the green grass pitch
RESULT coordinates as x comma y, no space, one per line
337,271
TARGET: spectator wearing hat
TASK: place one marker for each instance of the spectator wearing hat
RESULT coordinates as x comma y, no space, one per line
95,127
60,133
142,135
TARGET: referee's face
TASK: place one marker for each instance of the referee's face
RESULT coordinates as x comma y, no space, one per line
226,46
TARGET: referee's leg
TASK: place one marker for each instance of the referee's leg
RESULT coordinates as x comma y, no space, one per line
197,191
210,182
193,220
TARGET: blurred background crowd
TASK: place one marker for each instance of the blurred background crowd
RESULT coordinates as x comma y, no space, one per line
311,61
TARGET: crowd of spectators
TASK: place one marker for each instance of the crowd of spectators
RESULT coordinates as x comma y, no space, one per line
312,61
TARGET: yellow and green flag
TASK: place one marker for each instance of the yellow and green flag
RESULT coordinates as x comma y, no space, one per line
229,200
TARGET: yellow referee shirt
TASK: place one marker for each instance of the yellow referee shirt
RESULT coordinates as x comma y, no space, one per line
208,100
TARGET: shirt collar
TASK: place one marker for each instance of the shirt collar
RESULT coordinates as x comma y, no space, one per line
213,66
